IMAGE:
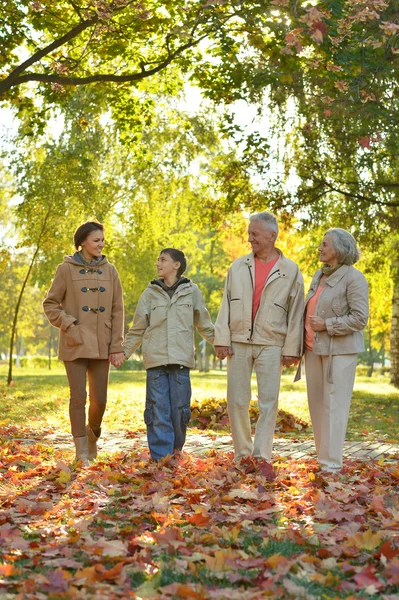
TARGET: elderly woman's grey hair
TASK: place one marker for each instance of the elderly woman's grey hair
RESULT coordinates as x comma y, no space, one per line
345,246
267,219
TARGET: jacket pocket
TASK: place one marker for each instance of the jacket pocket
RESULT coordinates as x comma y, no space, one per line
108,331
280,305
185,317
236,315
276,318
73,336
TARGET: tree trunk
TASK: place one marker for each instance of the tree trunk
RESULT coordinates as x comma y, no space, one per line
50,343
395,325
21,293
370,352
207,356
198,352
20,352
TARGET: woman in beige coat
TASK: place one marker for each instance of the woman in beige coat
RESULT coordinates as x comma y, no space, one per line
336,311
85,302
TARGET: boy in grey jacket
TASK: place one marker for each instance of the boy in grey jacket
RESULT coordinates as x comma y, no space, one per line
164,321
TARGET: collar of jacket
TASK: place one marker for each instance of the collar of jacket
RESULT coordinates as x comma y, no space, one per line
333,279
185,285
72,261
176,285
279,269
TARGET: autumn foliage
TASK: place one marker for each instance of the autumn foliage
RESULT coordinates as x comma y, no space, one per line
195,527
211,413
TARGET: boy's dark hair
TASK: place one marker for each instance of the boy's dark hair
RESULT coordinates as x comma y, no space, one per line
83,231
178,256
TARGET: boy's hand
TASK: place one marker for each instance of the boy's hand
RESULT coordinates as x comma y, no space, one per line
116,359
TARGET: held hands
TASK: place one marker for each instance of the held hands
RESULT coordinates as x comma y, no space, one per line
223,351
116,359
287,361
317,323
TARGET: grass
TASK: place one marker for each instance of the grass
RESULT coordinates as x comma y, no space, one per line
39,398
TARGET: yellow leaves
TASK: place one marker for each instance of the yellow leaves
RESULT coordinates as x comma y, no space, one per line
328,580
274,561
312,476
366,541
64,477
218,561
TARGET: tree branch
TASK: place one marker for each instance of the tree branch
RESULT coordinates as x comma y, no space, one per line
14,76
67,81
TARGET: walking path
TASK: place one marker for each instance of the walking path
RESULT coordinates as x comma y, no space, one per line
114,441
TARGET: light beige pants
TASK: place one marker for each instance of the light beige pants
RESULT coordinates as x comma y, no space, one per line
266,360
96,370
329,404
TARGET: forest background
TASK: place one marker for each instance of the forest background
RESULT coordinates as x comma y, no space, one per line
171,121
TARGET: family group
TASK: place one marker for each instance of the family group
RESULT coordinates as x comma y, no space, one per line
264,324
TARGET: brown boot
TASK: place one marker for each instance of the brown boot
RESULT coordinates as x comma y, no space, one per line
92,442
82,451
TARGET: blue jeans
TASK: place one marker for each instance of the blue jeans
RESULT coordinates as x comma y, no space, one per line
167,409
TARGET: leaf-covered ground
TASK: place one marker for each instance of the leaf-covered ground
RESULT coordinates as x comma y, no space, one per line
194,527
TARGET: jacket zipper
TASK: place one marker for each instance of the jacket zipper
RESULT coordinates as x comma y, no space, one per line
252,320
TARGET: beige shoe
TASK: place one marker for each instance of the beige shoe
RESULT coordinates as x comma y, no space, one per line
82,451
92,442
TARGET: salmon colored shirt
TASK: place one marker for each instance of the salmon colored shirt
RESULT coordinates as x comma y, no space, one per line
310,311
262,272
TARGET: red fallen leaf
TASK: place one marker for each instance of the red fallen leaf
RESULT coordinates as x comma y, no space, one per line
366,577
323,553
327,113
387,550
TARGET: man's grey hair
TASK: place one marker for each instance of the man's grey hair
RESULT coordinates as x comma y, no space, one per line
267,219
344,245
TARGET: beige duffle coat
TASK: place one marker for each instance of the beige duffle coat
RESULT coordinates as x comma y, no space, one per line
90,297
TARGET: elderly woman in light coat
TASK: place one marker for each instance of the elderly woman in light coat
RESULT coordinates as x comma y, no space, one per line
336,311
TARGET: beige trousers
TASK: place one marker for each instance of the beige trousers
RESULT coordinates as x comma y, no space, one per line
329,404
97,371
266,360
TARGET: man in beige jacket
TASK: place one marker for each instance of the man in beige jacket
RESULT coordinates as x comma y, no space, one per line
259,327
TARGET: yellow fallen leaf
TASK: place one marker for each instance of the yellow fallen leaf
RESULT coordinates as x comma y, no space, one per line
64,477
366,541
